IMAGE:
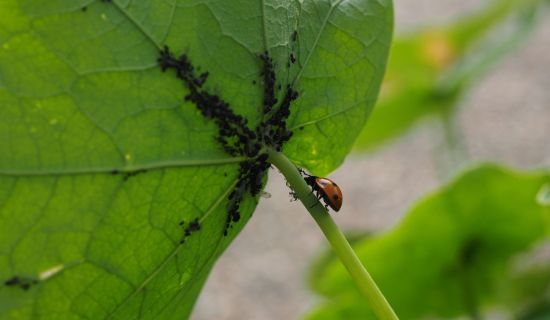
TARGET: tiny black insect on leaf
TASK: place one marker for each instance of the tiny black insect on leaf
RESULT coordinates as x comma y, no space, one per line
21,282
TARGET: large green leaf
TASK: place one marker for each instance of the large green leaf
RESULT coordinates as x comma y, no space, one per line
101,157
430,70
527,294
451,252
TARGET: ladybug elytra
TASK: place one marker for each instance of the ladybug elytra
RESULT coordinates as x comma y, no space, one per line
327,190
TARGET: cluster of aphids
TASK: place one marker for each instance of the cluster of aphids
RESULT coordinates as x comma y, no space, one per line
23,283
234,135
190,228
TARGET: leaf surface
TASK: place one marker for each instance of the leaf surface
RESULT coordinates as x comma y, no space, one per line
102,157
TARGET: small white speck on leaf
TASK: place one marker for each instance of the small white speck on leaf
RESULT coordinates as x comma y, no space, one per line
48,273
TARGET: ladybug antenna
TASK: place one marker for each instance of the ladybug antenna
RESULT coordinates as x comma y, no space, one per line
303,172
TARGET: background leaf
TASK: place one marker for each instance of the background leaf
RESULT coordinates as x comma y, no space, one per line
527,293
431,69
451,253
102,158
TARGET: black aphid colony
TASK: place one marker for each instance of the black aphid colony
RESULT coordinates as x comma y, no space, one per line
234,135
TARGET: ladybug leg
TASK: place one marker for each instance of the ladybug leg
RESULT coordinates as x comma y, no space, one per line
316,203
318,196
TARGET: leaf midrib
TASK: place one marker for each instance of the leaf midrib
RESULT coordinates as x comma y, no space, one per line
128,169
137,24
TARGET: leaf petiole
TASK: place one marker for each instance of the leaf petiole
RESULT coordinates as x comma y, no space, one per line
335,237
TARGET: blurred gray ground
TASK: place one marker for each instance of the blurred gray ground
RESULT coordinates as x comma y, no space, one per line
506,118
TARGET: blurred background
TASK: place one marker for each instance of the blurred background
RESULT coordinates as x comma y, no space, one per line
469,81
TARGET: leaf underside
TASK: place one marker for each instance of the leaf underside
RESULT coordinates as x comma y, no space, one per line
102,158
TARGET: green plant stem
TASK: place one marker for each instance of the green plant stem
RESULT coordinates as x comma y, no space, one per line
341,246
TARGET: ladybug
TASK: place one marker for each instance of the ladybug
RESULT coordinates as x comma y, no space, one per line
326,189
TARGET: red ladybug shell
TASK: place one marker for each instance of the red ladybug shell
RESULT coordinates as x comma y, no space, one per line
330,192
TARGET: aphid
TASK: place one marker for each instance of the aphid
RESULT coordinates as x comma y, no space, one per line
294,36
293,196
292,57
13,281
325,189
192,227
23,283
128,175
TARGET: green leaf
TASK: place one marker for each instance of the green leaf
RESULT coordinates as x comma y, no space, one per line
450,254
430,70
526,292
102,157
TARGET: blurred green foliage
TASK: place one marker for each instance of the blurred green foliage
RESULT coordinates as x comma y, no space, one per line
453,254
429,70
466,249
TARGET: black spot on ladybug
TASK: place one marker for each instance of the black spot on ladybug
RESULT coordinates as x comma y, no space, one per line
335,197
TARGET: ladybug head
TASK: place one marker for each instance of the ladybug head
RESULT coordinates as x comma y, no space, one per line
310,180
